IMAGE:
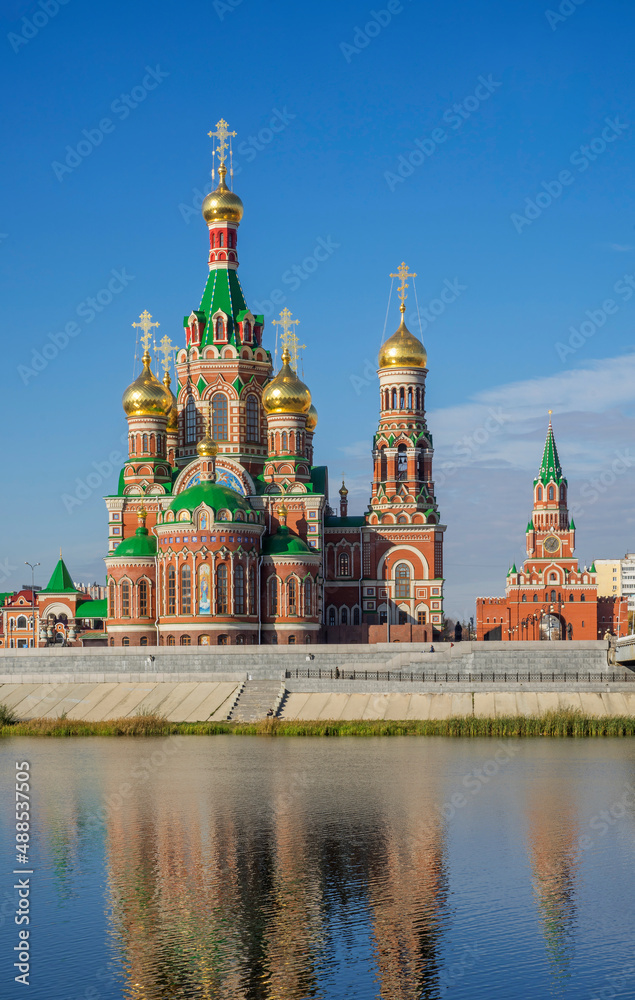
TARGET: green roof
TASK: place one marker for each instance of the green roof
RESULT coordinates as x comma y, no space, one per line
550,468
213,494
319,478
222,292
593,569
572,525
530,526
60,582
142,543
92,609
284,542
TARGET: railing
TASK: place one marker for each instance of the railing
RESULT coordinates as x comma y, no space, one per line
506,677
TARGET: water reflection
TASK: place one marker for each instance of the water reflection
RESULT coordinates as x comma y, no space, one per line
244,869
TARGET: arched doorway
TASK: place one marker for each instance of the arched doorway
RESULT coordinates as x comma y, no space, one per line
550,627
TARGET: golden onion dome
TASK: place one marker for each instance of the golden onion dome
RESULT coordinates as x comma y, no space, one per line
146,397
343,490
222,205
173,415
207,447
403,349
311,418
286,393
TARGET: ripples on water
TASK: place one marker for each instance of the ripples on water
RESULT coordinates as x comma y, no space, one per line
289,868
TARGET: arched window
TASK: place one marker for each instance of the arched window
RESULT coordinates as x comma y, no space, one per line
190,420
344,564
246,332
133,444
125,641
331,616
553,595
186,589
219,417
402,581
582,597
394,399
239,589
186,640
252,590
143,640
143,599
409,399
383,466
21,623
539,493
402,462
144,446
111,599
171,591
221,590
524,598
273,595
220,329
355,616
170,640
552,577
125,599
285,442
551,492
292,591
307,640
308,597
252,418
570,597
401,398
535,597
344,616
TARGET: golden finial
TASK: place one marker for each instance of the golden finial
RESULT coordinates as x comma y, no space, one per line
167,349
403,273
222,133
289,338
146,325
142,514
282,513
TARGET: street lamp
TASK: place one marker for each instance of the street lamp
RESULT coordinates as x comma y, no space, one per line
32,565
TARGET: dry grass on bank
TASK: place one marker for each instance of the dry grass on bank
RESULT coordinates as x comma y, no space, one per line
560,724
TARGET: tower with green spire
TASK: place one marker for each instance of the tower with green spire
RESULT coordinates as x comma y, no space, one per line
550,531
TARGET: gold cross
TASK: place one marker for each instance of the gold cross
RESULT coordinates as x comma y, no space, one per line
289,337
222,133
146,325
403,274
167,349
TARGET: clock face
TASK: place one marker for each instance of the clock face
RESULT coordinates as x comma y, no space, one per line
551,543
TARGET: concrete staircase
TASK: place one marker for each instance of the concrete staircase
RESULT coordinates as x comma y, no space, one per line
256,699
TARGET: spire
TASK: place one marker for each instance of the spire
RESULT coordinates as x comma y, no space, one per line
60,582
550,468
343,499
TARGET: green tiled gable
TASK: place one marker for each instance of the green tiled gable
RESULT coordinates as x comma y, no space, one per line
222,293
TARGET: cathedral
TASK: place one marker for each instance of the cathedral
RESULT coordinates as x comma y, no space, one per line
551,597
221,530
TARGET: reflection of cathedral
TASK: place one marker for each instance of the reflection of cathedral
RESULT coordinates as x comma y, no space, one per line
551,597
221,531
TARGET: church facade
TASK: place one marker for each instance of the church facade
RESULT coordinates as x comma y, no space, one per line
221,530
551,597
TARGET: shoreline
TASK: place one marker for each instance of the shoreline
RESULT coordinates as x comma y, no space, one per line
555,724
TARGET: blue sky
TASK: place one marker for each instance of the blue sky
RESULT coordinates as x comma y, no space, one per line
496,197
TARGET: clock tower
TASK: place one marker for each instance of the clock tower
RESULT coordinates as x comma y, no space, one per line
550,533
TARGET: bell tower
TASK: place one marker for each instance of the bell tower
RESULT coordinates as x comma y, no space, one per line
402,447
